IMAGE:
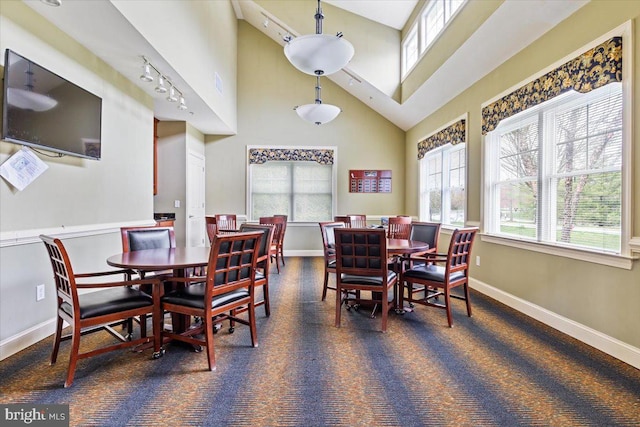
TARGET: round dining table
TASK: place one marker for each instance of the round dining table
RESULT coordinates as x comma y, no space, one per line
177,259
180,260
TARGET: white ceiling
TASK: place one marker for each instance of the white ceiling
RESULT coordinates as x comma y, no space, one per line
516,23
392,13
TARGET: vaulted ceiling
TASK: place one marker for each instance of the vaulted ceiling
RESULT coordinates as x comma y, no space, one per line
515,24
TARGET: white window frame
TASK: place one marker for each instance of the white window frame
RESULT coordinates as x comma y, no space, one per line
445,152
411,36
334,174
419,30
624,259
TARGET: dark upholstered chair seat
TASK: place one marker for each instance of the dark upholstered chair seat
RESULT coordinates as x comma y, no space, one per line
109,301
193,296
432,272
332,263
366,280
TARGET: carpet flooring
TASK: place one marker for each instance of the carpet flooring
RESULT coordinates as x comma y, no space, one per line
497,368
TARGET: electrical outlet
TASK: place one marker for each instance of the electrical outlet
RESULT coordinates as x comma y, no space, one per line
478,260
176,203
40,292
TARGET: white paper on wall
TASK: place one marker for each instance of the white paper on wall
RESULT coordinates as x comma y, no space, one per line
22,168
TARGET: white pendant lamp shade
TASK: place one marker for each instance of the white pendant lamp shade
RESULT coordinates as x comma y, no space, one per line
317,113
319,54
27,100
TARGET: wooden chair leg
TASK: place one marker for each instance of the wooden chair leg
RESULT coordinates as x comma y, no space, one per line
73,357
143,326
468,300
56,341
326,283
267,306
338,306
211,354
252,325
447,304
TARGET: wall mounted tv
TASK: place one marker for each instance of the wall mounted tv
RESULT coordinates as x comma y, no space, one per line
42,110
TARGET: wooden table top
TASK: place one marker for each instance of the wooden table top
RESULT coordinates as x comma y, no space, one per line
161,259
403,246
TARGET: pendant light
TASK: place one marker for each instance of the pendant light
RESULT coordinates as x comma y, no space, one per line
318,54
317,113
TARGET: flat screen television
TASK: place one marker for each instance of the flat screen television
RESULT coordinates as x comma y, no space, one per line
40,109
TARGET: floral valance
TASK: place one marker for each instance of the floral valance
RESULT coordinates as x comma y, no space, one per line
263,155
591,70
454,134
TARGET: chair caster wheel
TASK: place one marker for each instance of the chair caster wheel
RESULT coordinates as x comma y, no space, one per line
197,348
158,354
128,337
231,330
216,328
348,308
356,307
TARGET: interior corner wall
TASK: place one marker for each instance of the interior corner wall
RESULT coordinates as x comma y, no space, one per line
72,192
364,139
603,299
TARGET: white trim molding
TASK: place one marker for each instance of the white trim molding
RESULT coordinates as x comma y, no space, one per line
26,237
609,345
26,338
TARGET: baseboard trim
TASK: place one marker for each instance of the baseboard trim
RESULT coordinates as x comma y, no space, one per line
16,343
611,346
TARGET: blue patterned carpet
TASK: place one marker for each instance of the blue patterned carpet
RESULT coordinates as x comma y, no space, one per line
497,368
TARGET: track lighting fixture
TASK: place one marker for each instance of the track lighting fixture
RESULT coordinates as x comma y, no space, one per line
174,95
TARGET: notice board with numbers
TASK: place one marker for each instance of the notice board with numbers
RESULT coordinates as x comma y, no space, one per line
369,181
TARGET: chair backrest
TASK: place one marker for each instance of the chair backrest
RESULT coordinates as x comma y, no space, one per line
361,252
329,239
458,257
212,227
226,221
284,227
62,273
232,260
357,220
342,218
399,227
279,223
267,237
151,237
428,232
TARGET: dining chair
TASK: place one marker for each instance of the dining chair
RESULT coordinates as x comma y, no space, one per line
227,288
225,222
435,280
342,218
262,263
399,227
329,247
148,237
277,252
110,304
428,232
282,235
357,220
361,265
212,227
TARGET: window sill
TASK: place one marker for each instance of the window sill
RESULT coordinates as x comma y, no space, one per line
611,260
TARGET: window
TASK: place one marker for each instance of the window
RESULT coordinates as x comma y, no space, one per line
555,172
431,22
301,189
443,177
410,50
